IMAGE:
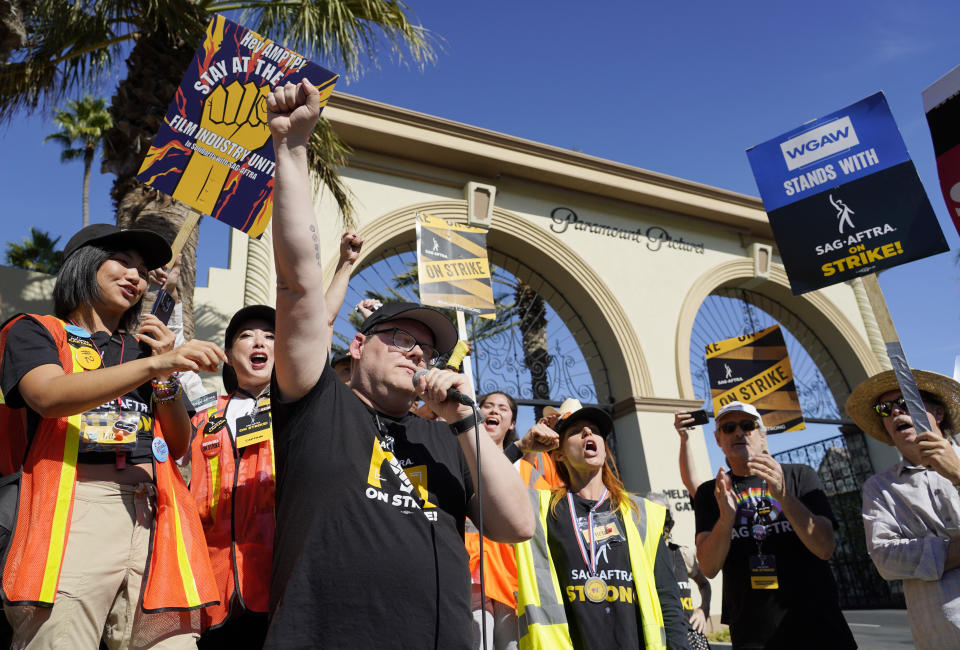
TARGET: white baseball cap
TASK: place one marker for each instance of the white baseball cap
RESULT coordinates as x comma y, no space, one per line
740,407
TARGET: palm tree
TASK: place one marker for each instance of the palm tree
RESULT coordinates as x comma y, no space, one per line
36,253
85,123
73,45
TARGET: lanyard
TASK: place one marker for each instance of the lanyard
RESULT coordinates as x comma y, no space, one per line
103,359
591,562
758,523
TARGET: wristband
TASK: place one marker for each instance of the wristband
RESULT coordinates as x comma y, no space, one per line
166,391
464,425
513,453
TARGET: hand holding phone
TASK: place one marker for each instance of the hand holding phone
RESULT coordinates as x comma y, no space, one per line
163,306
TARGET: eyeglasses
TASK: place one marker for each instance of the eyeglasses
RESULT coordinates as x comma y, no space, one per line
405,341
885,408
746,425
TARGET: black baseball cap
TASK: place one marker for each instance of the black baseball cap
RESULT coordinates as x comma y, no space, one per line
444,333
153,248
571,410
340,357
250,312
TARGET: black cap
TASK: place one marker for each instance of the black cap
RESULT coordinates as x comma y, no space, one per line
153,248
340,357
598,416
444,333
250,312
571,410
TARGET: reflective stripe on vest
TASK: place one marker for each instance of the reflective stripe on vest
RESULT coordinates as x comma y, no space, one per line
542,617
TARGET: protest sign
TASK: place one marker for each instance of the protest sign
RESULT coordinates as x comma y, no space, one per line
213,150
941,102
755,369
843,197
453,266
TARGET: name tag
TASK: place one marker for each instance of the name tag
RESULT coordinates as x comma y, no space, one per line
254,429
763,572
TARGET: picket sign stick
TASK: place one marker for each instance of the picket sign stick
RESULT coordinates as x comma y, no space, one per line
189,223
901,369
468,371
467,363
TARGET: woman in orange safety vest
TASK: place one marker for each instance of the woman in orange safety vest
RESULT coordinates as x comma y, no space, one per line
232,479
107,543
498,412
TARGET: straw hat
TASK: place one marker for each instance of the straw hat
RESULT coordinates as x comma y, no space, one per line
863,398
571,410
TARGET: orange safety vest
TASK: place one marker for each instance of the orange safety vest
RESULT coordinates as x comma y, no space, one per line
13,425
236,504
499,561
178,574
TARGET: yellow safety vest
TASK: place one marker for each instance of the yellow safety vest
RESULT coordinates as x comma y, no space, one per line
542,618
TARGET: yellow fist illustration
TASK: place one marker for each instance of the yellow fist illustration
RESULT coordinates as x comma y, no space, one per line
233,123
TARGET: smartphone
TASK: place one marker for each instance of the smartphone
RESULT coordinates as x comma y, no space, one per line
699,417
163,306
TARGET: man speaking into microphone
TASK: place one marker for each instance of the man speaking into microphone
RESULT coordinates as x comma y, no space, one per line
371,499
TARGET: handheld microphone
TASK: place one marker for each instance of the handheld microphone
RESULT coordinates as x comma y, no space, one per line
453,394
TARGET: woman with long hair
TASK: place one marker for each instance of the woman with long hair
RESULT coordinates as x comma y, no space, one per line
107,542
596,573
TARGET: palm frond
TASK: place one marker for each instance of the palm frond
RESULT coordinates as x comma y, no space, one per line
343,34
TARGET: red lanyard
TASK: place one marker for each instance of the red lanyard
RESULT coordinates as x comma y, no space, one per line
102,359
591,562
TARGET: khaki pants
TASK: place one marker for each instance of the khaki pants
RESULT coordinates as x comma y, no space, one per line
502,626
98,595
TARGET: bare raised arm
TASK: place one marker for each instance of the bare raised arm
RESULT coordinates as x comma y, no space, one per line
350,245
303,333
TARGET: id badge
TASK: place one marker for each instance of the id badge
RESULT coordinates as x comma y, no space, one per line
763,572
114,431
254,429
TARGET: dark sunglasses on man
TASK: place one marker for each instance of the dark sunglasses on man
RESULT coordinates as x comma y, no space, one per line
747,425
885,408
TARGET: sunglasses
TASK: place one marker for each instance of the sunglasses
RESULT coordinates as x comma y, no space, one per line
885,408
746,425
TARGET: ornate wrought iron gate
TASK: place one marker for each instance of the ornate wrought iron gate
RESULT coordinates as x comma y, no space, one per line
843,465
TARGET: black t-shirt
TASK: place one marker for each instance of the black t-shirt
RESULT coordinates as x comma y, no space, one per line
683,580
356,563
804,611
30,345
615,622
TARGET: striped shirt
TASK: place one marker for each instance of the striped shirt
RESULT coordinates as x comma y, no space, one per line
909,515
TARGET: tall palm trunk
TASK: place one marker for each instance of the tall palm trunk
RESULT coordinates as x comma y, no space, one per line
155,67
87,163
532,315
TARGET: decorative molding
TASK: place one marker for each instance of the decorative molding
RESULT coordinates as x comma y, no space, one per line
370,126
630,405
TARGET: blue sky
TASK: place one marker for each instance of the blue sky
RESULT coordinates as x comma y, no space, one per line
682,89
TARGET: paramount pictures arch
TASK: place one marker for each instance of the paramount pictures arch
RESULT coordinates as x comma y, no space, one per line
631,253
